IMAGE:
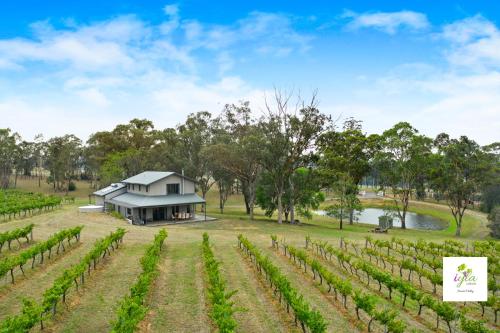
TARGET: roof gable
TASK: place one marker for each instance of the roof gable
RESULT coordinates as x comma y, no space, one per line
107,190
149,177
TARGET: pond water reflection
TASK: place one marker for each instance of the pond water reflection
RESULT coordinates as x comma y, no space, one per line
413,220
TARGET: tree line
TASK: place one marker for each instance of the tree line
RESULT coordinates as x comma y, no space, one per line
282,160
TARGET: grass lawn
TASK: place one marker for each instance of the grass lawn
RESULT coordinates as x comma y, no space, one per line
177,301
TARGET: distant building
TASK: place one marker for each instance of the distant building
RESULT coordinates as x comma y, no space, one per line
152,196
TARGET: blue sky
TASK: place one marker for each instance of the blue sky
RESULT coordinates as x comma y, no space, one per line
68,67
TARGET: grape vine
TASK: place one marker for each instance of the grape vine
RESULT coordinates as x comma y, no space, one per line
33,312
132,308
10,263
303,313
16,234
222,308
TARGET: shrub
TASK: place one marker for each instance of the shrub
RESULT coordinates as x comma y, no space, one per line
117,215
494,218
71,186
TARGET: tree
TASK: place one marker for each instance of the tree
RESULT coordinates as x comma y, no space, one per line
346,200
344,161
238,153
289,137
490,194
129,146
39,156
194,135
305,194
462,169
8,154
225,183
404,156
494,218
63,157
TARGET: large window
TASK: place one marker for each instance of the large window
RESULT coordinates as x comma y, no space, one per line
173,188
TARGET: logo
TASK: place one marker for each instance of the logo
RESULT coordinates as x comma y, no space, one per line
465,279
464,275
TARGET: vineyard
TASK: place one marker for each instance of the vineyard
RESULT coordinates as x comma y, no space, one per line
20,204
59,269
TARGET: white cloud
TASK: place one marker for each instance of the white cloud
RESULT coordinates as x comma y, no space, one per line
94,96
102,73
475,42
171,10
388,22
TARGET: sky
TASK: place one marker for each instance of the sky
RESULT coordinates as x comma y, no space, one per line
81,67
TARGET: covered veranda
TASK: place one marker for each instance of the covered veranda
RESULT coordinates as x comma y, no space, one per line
144,210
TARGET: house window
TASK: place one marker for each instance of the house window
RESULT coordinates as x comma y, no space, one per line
139,188
147,188
133,187
129,211
173,188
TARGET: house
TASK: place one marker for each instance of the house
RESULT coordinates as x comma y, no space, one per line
152,196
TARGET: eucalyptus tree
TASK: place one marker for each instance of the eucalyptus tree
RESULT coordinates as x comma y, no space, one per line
344,159
25,159
39,149
63,160
490,193
494,219
237,149
290,133
8,154
462,169
404,156
305,195
194,135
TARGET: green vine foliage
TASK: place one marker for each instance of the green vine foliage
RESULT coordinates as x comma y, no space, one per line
33,312
132,308
222,308
14,202
307,317
16,234
9,264
443,310
365,302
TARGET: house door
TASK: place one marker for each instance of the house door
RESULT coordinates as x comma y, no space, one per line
159,214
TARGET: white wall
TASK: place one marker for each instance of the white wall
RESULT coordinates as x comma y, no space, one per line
160,187
99,200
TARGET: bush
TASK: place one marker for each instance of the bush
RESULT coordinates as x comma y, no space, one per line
494,218
71,186
490,198
117,215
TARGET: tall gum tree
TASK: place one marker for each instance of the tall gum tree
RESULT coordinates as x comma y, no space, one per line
403,157
290,132
238,153
344,158
461,170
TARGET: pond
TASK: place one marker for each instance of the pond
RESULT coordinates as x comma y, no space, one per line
413,220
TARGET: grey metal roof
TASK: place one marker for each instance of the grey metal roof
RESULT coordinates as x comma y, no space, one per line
109,189
137,200
148,177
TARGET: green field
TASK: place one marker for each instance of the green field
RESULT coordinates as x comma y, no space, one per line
178,301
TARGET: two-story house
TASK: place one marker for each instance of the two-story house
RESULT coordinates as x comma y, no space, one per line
152,196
